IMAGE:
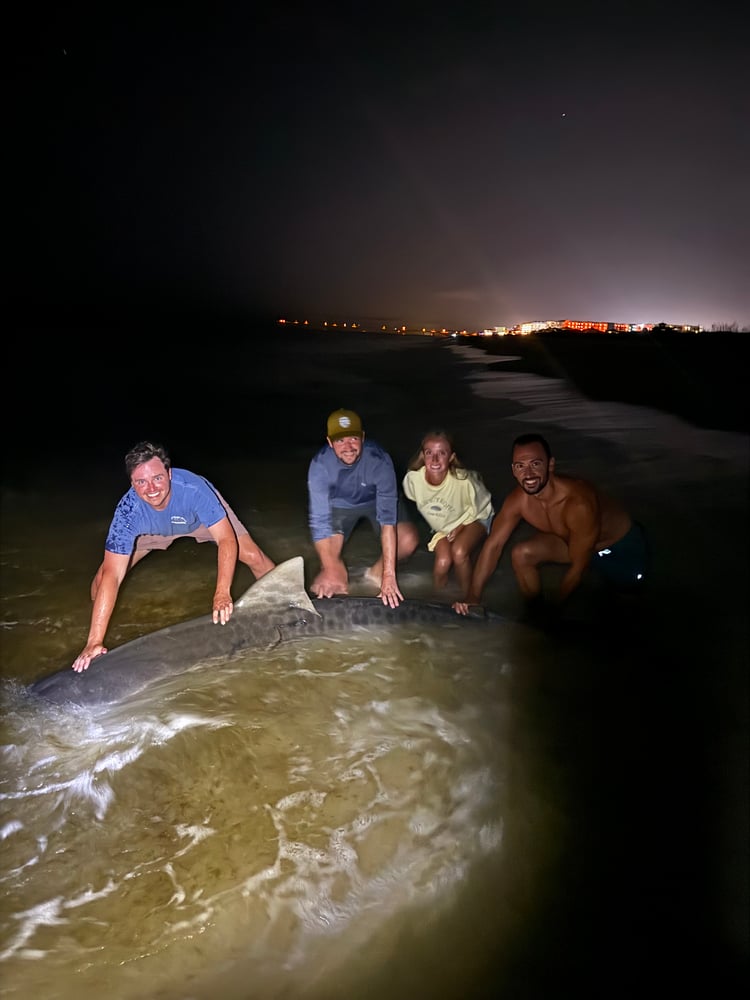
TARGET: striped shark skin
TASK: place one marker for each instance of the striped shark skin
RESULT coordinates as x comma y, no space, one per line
274,609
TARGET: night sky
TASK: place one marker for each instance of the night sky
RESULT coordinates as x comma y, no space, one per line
418,164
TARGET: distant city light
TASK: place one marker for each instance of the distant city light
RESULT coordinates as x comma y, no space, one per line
520,329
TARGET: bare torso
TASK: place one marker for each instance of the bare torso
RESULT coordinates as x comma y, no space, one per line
551,513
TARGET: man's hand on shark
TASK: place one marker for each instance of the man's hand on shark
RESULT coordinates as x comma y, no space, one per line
223,608
274,609
389,591
331,583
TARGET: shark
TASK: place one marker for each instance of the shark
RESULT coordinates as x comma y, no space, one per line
275,609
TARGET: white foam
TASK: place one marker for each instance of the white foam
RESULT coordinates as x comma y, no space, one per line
556,402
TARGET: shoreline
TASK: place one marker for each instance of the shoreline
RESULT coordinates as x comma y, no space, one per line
647,730
698,377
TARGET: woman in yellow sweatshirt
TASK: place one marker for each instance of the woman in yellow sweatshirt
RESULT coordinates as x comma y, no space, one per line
454,502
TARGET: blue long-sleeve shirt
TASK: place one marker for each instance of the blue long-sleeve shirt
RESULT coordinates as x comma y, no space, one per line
331,483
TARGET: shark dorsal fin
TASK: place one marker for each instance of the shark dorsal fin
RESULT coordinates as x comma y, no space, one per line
283,586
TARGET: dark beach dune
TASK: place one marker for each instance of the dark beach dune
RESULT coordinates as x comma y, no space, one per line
699,377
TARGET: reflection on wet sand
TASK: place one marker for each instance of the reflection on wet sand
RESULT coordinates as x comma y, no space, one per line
360,815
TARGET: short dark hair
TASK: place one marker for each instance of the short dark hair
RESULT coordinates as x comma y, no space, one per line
144,451
531,439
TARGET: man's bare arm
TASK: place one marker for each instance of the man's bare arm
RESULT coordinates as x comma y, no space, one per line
505,523
226,564
389,589
333,577
583,522
110,576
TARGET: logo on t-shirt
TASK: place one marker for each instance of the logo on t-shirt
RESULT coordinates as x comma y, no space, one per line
176,519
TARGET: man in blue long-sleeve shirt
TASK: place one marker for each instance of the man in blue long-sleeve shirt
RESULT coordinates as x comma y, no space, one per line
350,479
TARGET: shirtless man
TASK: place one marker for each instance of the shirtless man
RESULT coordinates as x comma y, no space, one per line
577,526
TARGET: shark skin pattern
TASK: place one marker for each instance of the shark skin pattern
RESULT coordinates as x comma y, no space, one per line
334,615
275,609
278,598
341,614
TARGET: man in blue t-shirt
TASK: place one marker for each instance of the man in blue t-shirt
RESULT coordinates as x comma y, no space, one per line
350,479
164,504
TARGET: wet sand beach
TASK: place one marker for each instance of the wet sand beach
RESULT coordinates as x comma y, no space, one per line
640,723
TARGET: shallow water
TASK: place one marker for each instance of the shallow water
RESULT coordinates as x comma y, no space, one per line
268,817
425,813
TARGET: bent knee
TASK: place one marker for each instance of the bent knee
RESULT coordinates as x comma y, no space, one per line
408,539
520,550
543,548
461,554
525,554
442,564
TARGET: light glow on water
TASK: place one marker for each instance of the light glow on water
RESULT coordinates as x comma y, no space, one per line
263,808
360,815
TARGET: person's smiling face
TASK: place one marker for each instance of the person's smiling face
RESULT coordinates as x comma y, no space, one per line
437,455
347,449
152,481
531,467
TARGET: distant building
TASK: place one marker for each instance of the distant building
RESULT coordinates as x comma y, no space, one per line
539,324
599,325
520,329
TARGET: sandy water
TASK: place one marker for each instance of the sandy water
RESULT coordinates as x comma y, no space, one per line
417,814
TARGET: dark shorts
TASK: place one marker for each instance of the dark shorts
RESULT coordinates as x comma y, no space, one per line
345,519
624,564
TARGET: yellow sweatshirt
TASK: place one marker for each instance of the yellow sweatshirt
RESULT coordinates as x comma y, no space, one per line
459,499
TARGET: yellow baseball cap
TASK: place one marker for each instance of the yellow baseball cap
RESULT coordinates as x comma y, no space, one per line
344,424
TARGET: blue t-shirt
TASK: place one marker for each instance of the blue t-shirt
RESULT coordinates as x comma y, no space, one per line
192,503
332,483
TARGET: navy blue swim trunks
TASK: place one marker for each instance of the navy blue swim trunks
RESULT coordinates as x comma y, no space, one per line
624,564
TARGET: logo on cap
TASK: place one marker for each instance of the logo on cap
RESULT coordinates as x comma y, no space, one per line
344,423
